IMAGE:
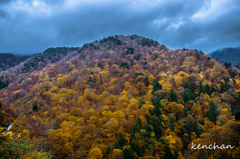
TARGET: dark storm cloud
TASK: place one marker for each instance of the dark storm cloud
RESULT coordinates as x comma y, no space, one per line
32,26
2,2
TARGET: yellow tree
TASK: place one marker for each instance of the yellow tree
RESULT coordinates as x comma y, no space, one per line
116,154
112,126
123,99
175,108
66,139
95,153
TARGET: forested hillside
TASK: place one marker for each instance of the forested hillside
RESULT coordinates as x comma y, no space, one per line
122,97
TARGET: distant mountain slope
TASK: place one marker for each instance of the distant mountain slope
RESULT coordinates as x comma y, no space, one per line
231,55
40,60
37,62
8,60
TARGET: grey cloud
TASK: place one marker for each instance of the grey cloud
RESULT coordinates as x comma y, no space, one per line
24,33
4,1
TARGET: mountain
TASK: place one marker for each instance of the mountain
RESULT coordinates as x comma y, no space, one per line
121,97
231,55
8,60
37,62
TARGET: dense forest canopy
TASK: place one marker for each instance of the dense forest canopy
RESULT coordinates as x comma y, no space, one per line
121,97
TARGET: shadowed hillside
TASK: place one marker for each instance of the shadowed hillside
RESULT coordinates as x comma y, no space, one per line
231,55
10,60
37,62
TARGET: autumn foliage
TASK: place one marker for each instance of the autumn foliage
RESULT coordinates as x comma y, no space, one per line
125,97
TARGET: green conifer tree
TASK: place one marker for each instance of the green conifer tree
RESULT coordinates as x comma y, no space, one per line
212,112
128,153
156,86
173,95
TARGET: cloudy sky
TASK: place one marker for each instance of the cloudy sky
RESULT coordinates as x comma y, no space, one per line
31,26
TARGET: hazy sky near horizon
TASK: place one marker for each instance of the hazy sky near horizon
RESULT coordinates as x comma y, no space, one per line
32,26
